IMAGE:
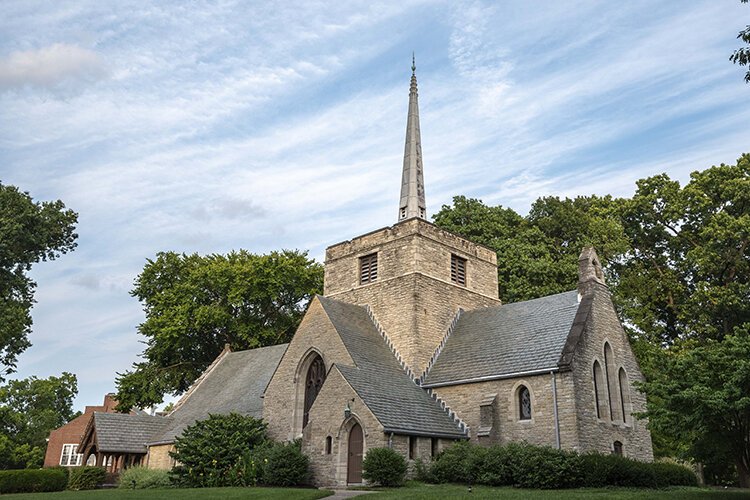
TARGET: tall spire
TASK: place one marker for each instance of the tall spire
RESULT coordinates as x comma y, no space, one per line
412,182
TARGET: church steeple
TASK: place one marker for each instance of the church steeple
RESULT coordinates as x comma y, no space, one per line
412,202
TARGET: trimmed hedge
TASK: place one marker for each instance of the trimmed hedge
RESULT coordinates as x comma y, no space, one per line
384,466
528,466
32,480
141,478
86,478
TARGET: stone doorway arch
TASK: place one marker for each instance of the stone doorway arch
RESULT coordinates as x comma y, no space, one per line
354,455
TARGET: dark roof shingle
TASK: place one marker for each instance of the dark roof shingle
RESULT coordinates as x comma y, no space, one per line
506,339
125,433
395,400
235,384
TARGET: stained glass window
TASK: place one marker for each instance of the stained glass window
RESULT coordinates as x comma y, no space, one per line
524,399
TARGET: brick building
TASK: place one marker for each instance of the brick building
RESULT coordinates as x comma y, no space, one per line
62,445
411,348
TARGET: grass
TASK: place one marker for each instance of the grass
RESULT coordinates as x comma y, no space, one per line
178,494
419,491
413,490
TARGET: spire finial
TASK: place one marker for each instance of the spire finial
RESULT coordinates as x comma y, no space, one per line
412,202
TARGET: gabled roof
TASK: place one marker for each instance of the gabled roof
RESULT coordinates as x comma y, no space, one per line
394,398
498,341
125,433
234,384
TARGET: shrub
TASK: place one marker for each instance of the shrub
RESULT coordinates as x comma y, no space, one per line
452,464
672,474
384,466
86,478
421,471
495,469
210,450
280,464
530,466
32,480
544,467
141,478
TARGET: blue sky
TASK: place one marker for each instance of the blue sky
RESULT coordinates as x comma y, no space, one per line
211,126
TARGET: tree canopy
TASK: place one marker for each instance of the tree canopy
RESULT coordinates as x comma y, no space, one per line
29,232
677,261
741,56
29,410
196,304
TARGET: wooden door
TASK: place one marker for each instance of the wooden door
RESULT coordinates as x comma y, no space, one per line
354,465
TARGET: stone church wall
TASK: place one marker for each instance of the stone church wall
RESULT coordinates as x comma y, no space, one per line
599,434
327,419
283,402
507,425
158,457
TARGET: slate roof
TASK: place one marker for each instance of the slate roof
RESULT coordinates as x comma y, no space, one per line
506,339
125,433
235,384
395,400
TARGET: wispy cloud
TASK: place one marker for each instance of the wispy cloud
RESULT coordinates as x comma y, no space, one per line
208,127
55,67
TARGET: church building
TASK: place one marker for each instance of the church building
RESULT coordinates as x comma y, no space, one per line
411,348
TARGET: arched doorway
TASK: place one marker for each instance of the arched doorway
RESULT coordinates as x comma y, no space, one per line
354,460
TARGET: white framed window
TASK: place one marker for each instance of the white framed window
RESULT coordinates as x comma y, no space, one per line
70,456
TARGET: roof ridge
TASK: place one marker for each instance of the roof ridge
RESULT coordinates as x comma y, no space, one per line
441,345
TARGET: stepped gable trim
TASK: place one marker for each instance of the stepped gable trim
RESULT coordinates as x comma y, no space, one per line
456,419
440,346
452,414
201,378
576,332
390,344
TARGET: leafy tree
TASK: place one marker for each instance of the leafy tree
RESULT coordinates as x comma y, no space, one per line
741,56
208,450
196,304
29,232
538,255
687,274
29,410
703,391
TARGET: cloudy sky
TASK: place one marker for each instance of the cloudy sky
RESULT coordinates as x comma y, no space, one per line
211,126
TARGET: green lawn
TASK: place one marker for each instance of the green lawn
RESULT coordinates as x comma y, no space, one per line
178,494
412,491
432,492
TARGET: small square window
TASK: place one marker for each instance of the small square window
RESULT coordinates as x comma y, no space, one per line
368,268
458,270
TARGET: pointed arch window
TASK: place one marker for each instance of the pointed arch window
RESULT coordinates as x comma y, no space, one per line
316,375
599,386
613,393
524,403
624,395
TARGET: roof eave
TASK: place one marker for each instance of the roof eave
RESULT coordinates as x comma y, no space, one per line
486,378
409,432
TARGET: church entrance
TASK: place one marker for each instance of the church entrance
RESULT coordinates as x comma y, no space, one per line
354,465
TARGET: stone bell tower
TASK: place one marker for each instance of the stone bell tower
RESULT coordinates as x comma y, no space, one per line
414,276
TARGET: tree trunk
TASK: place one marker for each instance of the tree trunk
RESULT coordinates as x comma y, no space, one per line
743,471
